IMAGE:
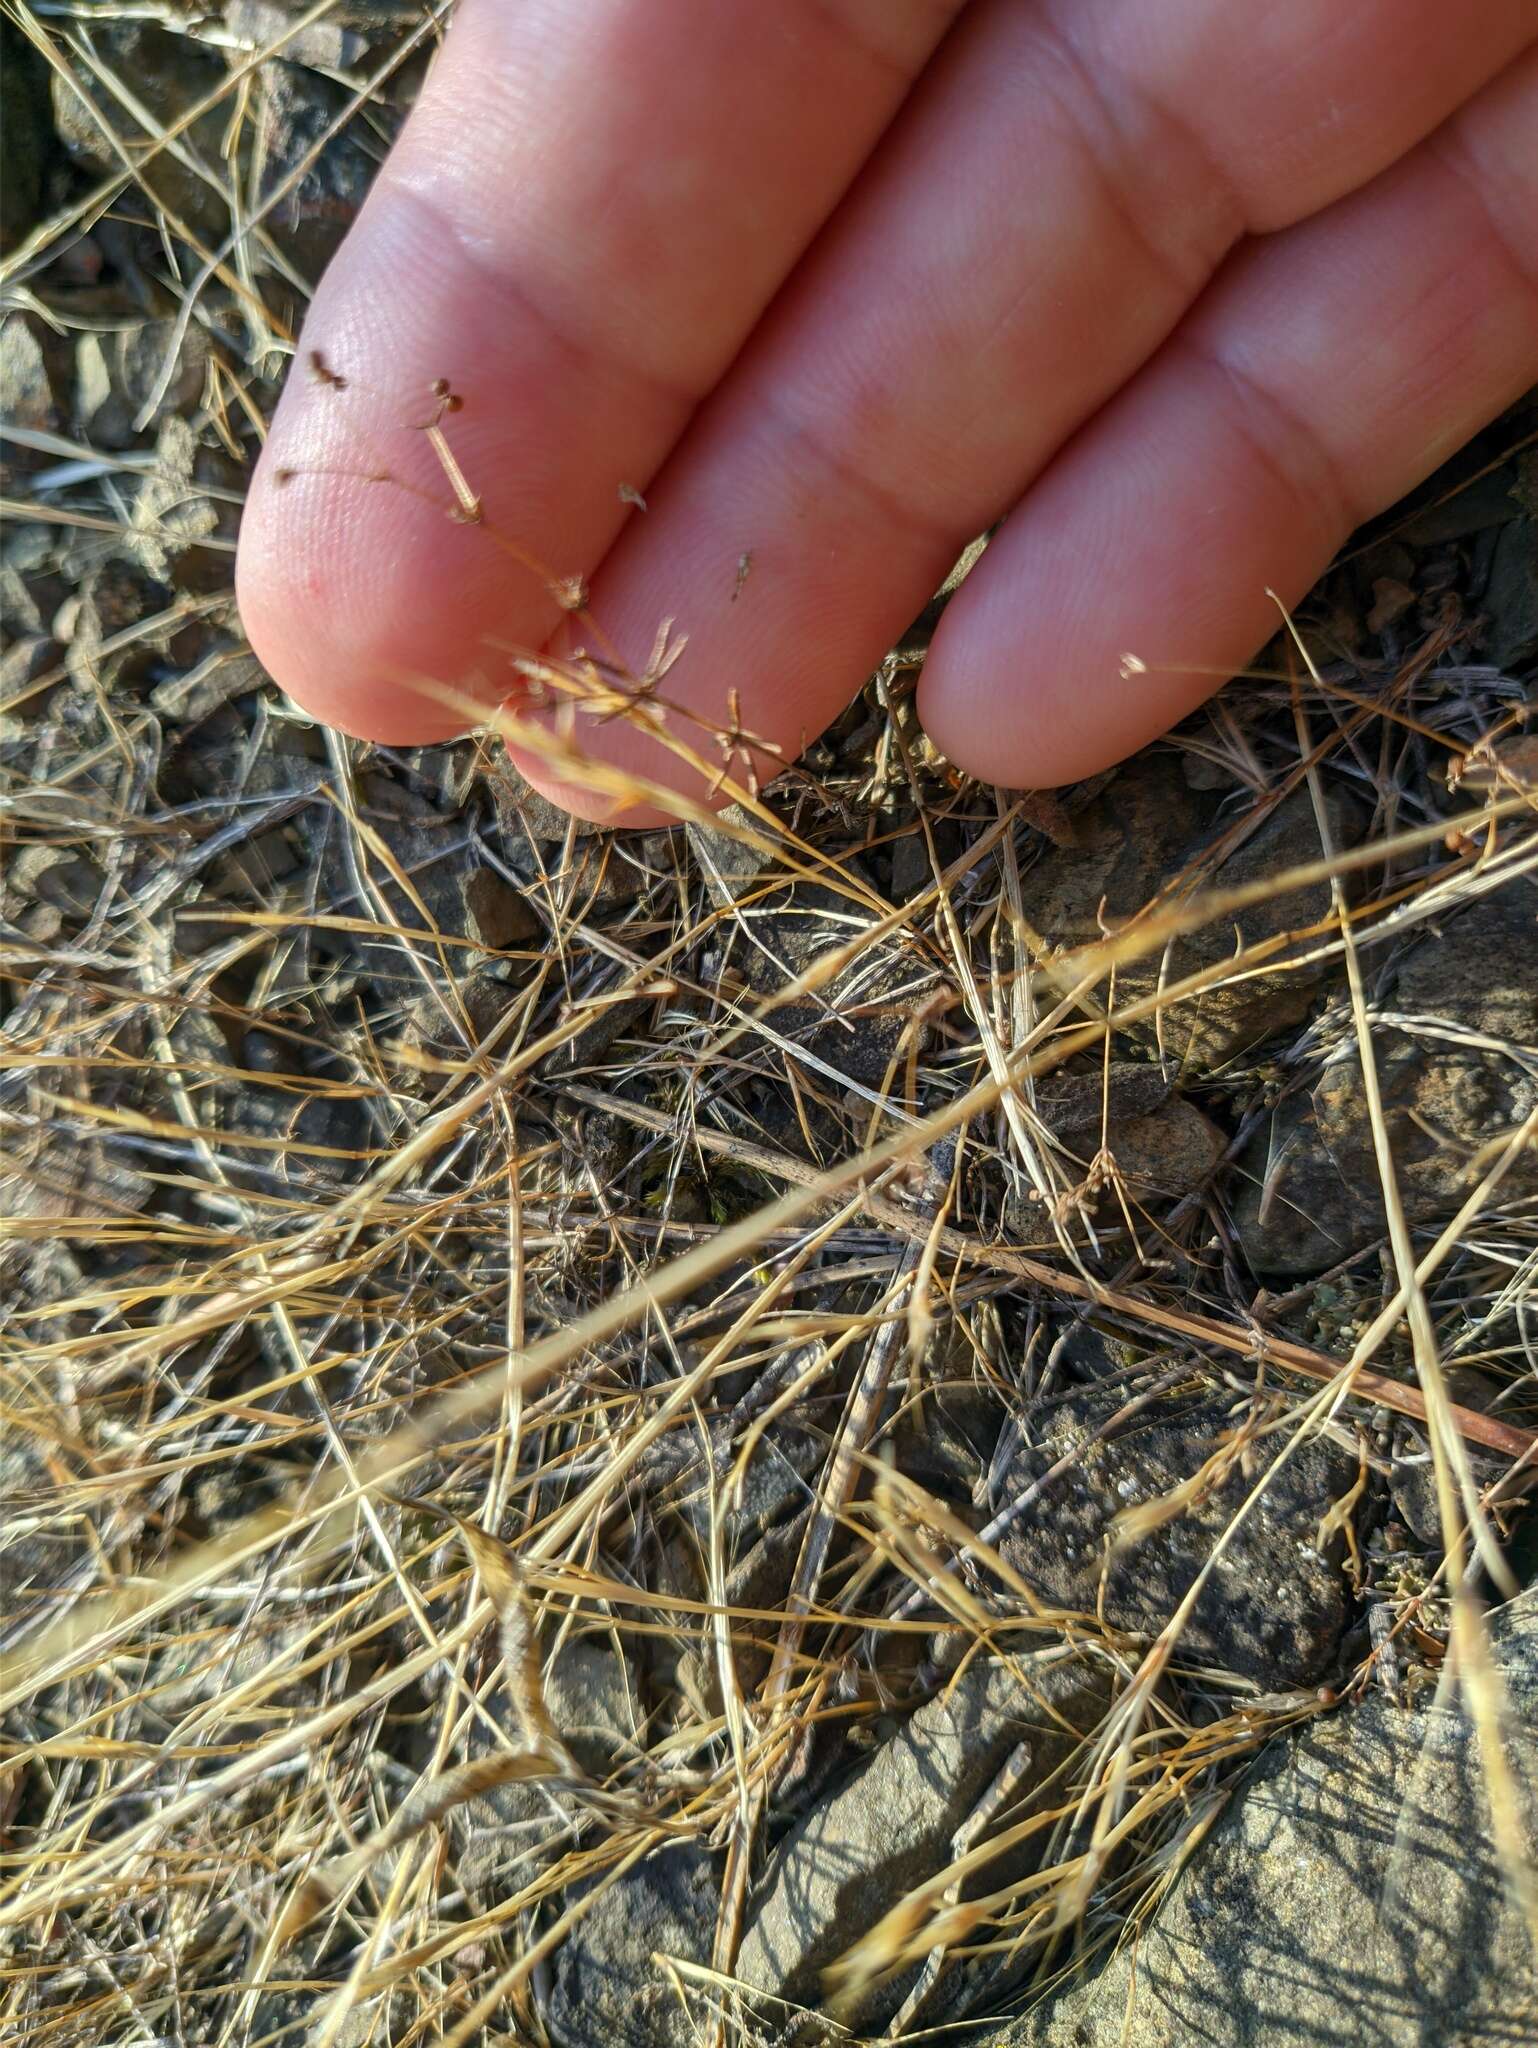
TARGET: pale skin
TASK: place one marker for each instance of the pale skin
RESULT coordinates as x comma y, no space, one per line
1179,290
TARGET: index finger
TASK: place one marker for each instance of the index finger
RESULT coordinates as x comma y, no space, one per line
582,220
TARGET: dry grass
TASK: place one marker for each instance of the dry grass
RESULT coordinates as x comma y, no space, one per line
331,1440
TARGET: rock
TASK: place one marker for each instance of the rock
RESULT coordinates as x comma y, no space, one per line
495,913
1073,1103
858,1022
1172,1152
1469,494
525,814
605,1989
758,1578
50,891
30,586
321,1136
330,44
1309,1192
188,1674
230,756
167,74
893,1824
1274,1608
296,133
1350,1893
252,871
912,872
116,376
1158,1138
286,2017
174,520
465,898
57,1172
1502,768
606,1020
946,1443
590,1694
432,1016
23,662
32,392
223,673
615,868
113,597
1132,839
1412,1485
1226,1021
1146,831
775,1486
1479,967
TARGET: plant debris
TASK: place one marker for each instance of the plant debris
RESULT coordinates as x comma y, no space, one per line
789,1430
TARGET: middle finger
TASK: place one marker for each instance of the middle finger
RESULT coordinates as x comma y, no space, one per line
1066,182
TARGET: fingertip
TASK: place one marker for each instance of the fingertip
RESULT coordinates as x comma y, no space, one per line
364,588
344,655
614,809
1028,711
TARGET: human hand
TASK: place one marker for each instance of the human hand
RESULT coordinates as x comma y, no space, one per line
1185,290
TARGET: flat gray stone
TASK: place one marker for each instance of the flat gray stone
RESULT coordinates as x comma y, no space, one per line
1350,1898
606,1990
892,1825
